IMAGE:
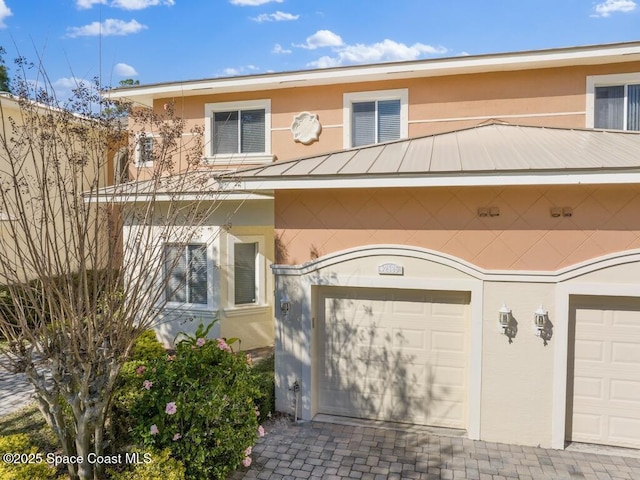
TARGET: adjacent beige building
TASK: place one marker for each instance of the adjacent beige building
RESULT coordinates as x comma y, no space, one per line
455,242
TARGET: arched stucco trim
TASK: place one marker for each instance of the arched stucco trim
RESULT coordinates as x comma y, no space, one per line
543,276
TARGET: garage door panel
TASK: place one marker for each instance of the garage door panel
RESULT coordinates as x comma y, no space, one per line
625,391
625,353
605,406
398,360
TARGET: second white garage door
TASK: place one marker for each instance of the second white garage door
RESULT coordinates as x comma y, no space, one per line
604,406
399,355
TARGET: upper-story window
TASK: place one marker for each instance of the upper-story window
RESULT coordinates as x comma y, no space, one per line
375,117
144,150
613,101
238,131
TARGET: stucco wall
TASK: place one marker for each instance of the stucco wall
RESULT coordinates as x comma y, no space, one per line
551,97
517,378
525,236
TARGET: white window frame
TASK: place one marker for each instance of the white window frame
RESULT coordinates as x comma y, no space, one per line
227,158
349,99
616,79
261,279
138,150
210,278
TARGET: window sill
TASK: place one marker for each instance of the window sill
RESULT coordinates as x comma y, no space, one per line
238,311
239,158
188,308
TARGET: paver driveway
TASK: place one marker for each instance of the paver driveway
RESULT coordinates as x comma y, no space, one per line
318,450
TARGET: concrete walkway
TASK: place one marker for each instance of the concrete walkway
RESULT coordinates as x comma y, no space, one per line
318,450
15,392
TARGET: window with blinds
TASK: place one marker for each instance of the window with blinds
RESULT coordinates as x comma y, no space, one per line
186,274
375,122
245,273
144,150
617,107
238,131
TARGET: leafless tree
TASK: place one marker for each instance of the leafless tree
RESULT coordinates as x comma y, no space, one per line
70,310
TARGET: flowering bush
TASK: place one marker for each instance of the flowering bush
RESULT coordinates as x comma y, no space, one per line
200,403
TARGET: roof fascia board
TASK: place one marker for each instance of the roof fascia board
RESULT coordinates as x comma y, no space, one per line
366,73
458,180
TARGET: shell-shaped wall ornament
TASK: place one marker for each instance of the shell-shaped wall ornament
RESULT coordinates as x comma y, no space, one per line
306,128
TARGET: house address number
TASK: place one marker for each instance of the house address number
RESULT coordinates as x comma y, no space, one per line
390,269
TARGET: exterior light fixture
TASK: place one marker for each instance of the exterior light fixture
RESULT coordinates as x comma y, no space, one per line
504,317
285,305
540,319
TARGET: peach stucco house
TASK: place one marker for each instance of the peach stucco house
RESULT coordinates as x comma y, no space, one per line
455,242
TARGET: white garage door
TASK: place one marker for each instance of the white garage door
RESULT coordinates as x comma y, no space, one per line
606,379
398,355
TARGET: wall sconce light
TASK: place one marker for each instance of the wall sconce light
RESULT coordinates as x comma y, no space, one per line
285,305
540,319
504,317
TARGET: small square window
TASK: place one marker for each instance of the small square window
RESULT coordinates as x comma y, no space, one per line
144,150
375,117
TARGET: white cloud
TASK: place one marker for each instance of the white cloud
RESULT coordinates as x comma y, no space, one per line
140,4
4,13
108,28
124,70
252,3
322,38
245,70
608,7
124,4
83,4
64,87
277,48
275,17
385,51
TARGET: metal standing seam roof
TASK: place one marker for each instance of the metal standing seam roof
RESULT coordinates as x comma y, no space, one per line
491,148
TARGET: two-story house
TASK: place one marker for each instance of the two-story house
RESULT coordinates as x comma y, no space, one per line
456,241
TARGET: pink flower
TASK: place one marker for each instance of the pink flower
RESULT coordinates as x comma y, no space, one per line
247,452
177,437
200,342
249,359
261,431
222,345
147,384
247,461
140,370
154,429
171,408
171,358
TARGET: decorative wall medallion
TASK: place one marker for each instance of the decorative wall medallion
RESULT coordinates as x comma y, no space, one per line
306,128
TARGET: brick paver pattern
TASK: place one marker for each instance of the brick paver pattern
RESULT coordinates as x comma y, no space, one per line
315,450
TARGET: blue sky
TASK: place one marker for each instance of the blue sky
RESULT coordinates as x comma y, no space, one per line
170,40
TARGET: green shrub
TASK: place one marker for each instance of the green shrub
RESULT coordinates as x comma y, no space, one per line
156,466
200,404
264,370
128,388
147,347
19,444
